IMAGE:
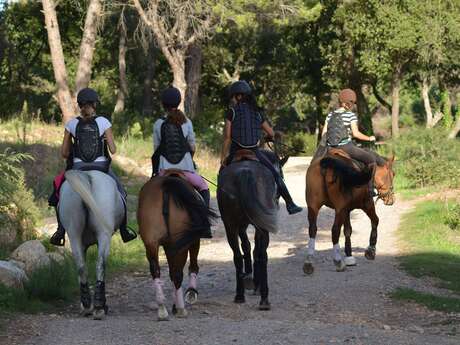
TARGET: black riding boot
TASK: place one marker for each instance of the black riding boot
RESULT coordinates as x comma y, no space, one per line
58,238
126,233
291,207
206,198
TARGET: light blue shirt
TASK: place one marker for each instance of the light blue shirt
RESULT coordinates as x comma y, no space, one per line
186,163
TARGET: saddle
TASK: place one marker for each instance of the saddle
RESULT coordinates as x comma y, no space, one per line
244,155
174,173
338,153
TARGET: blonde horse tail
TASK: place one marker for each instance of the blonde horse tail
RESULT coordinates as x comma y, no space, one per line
80,183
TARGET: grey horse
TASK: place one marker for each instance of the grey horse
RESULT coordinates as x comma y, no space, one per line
91,208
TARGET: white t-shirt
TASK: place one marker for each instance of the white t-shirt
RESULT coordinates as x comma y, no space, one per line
102,123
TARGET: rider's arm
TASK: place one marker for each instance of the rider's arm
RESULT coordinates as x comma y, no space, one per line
227,140
191,138
110,141
268,130
66,145
358,135
324,129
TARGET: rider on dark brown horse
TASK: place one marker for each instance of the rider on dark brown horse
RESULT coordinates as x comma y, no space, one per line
341,126
174,142
244,124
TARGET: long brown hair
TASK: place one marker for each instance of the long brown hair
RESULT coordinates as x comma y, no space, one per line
176,116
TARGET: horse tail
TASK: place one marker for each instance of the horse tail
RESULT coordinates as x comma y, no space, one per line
81,184
349,176
186,198
259,215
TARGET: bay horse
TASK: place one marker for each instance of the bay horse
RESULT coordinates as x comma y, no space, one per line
338,182
91,208
172,214
247,194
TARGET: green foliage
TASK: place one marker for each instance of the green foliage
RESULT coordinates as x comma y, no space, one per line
452,216
302,142
431,248
426,157
446,304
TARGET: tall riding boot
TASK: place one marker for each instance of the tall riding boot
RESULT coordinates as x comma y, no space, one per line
206,198
291,207
58,238
126,233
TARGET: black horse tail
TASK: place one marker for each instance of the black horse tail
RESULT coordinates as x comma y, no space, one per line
186,198
259,215
348,176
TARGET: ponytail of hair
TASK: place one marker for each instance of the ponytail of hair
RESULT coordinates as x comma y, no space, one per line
176,116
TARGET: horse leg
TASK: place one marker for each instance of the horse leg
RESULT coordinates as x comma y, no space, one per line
100,306
338,222
249,283
79,254
176,273
154,265
191,294
312,229
232,239
347,230
370,211
260,261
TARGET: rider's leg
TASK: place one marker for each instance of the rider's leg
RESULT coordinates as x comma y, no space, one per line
290,205
58,238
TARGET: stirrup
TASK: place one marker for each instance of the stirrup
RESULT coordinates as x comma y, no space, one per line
293,209
127,234
58,238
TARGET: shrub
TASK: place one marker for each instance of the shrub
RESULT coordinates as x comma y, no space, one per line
426,157
301,142
452,216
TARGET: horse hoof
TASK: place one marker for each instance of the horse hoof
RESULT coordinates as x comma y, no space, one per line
350,261
339,265
308,268
264,305
162,313
369,254
191,295
248,282
239,299
181,313
86,311
99,314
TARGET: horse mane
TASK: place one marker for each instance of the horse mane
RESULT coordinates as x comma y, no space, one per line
185,198
348,176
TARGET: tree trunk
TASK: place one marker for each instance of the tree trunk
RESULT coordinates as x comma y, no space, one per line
426,103
453,133
147,95
122,81
365,118
193,77
87,45
179,81
57,57
395,87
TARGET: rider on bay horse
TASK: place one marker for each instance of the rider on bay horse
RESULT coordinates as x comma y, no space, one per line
244,123
341,126
88,139
174,143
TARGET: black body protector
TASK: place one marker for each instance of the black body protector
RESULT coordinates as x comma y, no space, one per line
88,143
246,126
336,129
173,144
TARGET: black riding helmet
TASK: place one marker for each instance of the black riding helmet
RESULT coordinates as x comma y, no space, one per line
171,97
240,87
87,95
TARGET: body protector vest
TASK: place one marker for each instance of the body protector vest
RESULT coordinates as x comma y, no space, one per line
336,129
173,144
88,143
246,126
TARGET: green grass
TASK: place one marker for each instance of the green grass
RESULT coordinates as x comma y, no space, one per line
402,187
446,304
433,250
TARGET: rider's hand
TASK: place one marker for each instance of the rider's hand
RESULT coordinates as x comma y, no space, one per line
372,138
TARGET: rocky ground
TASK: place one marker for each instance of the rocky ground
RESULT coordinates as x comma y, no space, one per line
350,307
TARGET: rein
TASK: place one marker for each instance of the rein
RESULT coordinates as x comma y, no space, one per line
383,196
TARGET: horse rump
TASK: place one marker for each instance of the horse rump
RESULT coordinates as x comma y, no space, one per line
349,176
186,198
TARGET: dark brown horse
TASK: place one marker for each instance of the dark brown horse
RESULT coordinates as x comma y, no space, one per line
247,195
339,183
173,215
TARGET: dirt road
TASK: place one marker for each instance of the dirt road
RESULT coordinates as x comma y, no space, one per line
351,307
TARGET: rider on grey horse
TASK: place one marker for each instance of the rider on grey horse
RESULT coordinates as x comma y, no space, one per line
244,123
86,145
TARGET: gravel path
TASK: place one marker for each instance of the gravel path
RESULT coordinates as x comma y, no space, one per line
351,307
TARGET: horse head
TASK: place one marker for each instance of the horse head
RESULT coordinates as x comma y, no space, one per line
383,181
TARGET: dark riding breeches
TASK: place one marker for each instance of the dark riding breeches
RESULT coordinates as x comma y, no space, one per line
361,155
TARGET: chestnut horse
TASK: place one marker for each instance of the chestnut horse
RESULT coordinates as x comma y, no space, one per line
172,214
338,182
